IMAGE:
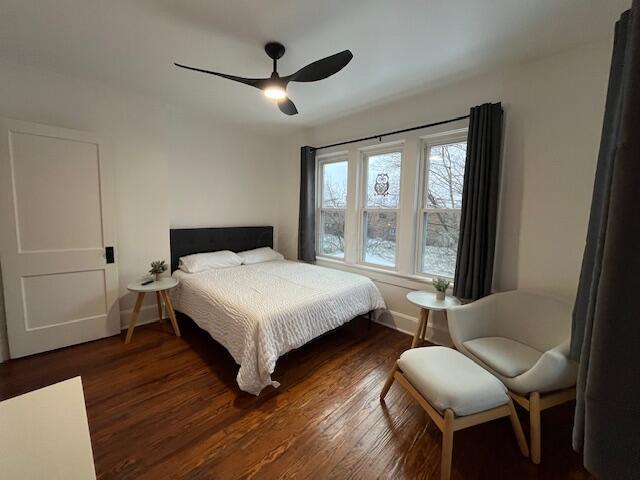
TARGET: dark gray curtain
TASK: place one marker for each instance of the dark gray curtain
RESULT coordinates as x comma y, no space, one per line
606,316
474,265
307,214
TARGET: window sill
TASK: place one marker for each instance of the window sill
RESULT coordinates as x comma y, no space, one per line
382,275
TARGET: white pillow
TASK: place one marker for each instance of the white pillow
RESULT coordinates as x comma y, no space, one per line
259,255
199,262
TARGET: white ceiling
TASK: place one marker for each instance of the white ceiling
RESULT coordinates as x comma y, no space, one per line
399,47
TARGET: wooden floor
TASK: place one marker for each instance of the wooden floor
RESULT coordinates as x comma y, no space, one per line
167,407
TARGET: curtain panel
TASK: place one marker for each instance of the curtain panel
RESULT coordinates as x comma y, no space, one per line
307,212
479,216
606,315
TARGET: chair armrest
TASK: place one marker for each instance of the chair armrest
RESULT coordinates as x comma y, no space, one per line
472,320
561,350
554,370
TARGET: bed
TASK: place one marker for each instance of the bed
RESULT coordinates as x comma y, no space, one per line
261,311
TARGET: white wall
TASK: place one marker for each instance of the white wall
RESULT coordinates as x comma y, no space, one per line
222,176
171,169
553,116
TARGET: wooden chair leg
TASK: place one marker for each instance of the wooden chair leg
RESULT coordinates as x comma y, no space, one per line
534,422
134,316
517,429
447,445
171,312
159,303
389,382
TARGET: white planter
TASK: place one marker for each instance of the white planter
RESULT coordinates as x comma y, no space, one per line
440,295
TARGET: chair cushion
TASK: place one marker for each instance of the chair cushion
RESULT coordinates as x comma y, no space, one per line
505,356
448,379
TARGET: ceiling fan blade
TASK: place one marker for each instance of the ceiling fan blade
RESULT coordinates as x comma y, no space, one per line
253,82
321,69
287,106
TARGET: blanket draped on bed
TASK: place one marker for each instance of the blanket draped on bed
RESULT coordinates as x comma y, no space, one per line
259,312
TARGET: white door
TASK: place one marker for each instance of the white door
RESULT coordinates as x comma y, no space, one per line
56,238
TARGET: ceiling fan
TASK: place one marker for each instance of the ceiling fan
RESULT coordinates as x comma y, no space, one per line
275,87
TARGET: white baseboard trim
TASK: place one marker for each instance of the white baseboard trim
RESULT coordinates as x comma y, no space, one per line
408,325
390,318
398,321
148,314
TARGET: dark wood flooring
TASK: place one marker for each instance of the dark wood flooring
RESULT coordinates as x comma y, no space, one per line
167,407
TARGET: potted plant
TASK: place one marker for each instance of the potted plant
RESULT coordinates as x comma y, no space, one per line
441,285
158,267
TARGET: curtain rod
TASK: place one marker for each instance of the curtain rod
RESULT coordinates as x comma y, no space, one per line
379,136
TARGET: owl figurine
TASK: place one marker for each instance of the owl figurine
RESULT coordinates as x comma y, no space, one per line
382,184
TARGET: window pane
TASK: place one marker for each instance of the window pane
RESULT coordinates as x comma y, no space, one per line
441,231
380,238
383,180
332,233
446,175
334,185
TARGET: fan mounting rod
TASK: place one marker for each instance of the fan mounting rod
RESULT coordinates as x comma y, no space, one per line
275,51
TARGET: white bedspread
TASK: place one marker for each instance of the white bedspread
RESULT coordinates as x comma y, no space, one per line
259,312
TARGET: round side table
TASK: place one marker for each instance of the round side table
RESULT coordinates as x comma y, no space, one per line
428,302
161,288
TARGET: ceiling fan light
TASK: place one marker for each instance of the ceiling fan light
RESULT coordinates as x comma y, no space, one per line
275,92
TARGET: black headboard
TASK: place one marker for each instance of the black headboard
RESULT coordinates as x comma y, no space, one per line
186,241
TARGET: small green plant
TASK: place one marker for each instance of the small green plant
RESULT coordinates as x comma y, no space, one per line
441,284
158,267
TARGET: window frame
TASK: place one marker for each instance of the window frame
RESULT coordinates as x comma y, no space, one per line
426,143
321,161
363,173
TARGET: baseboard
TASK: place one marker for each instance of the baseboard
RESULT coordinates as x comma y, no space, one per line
398,321
408,325
389,318
148,314
395,320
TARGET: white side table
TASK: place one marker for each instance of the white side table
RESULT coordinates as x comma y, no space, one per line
428,302
160,287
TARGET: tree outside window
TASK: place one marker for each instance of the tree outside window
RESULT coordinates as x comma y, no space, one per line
441,206
381,207
333,203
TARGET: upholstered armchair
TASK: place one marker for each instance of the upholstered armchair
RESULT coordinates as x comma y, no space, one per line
523,339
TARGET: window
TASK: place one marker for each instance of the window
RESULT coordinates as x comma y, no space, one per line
381,204
392,208
441,203
331,207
